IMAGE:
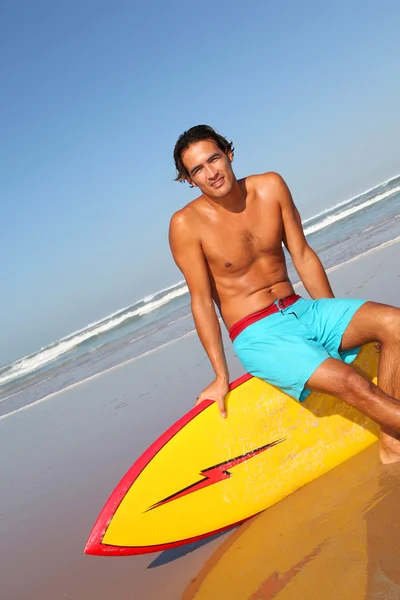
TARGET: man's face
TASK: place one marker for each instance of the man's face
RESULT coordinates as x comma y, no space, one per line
209,168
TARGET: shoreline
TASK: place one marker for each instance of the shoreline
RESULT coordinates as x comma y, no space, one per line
297,285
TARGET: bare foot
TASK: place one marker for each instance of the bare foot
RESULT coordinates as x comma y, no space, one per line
388,456
389,447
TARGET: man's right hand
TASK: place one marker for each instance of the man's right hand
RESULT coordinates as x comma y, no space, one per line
217,391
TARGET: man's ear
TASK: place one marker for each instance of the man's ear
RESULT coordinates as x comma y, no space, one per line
190,182
230,155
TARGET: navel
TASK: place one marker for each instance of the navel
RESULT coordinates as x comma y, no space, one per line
228,264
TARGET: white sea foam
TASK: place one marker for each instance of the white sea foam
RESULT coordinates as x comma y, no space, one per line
349,211
150,306
46,355
167,289
96,375
120,311
349,200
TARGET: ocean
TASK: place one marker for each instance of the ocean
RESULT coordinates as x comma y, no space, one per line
343,232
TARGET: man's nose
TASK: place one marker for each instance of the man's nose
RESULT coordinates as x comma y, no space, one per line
211,172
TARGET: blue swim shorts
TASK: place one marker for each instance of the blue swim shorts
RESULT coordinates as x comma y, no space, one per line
285,348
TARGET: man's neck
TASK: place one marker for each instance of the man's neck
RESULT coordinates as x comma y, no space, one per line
234,202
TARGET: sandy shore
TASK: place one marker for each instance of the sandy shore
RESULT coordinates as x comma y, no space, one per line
63,456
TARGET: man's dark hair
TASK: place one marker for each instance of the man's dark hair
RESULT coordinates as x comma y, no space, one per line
191,136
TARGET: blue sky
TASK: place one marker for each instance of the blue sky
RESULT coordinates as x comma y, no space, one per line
95,94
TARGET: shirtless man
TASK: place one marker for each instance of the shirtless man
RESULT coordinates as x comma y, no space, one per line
228,245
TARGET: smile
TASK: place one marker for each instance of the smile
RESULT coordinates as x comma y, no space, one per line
218,183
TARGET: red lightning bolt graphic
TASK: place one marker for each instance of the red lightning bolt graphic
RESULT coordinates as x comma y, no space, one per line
215,474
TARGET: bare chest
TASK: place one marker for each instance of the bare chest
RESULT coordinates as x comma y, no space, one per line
233,243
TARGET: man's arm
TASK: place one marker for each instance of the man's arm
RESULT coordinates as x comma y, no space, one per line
189,257
305,260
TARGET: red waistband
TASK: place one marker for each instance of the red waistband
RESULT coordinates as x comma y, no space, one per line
270,310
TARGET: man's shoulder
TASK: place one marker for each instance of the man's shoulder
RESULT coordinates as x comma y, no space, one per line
261,180
269,186
185,215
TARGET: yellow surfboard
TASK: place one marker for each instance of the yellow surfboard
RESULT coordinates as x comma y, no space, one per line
206,473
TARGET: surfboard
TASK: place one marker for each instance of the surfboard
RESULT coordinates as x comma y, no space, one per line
206,474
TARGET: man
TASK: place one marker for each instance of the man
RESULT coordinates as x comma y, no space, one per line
228,245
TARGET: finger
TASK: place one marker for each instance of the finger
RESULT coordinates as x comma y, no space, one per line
222,409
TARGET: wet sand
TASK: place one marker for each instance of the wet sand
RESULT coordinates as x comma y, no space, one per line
62,457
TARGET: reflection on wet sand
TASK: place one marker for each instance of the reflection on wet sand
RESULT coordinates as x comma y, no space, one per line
336,538
383,538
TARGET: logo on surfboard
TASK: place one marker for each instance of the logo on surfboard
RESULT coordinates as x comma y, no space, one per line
214,474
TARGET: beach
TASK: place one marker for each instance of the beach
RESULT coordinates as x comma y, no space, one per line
66,452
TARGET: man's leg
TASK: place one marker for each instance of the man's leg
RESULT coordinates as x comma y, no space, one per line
341,380
381,323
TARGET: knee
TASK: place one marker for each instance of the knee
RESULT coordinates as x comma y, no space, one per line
356,387
391,325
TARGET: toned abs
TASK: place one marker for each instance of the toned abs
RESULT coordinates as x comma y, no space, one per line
244,254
